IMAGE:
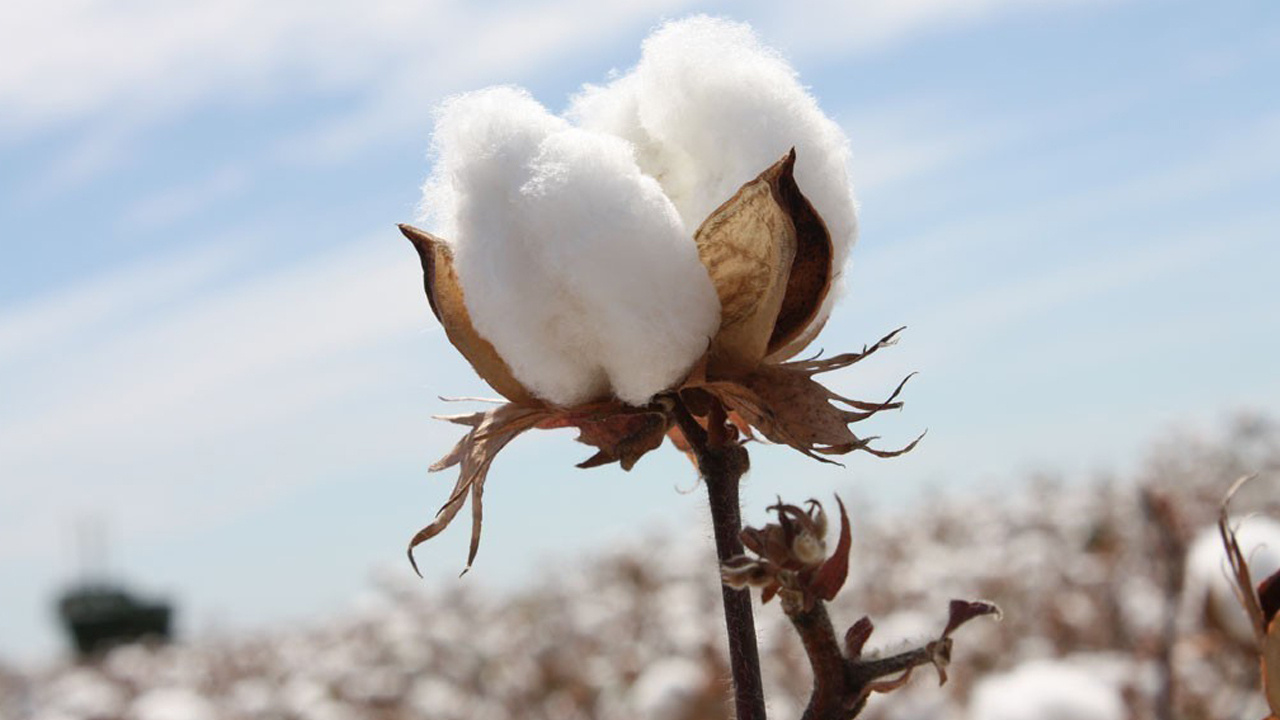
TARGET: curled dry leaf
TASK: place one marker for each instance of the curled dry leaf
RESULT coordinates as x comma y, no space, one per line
856,637
1260,604
960,612
620,433
491,430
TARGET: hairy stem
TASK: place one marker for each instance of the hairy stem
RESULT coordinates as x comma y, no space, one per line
830,693
842,684
722,464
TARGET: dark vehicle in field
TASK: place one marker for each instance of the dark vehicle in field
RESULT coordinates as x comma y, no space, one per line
99,616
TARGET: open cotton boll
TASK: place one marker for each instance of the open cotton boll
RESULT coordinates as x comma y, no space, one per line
1209,594
708,107
575,265
1046,690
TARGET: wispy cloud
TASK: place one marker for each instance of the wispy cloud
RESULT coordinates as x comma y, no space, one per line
178,203
217,367
100,59
843,27
44,326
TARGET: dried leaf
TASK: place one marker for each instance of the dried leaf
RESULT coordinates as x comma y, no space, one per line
888,686
753,539
856,637
474,453
769,592
962,611
748,245
623,434
444,294
832,574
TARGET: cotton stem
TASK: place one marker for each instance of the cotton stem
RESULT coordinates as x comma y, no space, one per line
722,464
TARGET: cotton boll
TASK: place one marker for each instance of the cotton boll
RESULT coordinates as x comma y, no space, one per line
1046,690
172,703
607,234
575,265
84,693
708,108
1209,593
667,688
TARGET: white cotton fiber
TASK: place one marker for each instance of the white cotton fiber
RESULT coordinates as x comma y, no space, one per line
1046,690
575,265
1209,591
708,108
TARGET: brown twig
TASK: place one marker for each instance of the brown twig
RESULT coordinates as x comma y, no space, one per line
1170,546
842,684
791,564
722,463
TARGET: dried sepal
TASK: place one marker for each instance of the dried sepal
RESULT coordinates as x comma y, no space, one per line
621,433
1260,603
787,406
444,294
831,576
491,430
748,245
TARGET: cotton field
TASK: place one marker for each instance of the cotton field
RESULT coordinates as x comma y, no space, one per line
1101,622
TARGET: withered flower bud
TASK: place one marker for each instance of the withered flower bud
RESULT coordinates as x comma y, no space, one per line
793,554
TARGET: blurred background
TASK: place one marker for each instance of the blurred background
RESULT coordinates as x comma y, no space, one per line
218,369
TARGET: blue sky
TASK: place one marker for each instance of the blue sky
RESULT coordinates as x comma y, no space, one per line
213,339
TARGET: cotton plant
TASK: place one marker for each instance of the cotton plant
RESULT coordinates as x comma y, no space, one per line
646,267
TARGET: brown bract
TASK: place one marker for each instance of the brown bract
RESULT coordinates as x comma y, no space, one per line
1261,605
768,254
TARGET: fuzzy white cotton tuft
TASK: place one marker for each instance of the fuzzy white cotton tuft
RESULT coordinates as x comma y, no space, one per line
1209,591
708,108
1046,690
575,265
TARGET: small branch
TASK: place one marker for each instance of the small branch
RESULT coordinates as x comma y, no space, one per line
830,680
1169,546
722,465
791,564
841,685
